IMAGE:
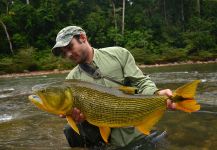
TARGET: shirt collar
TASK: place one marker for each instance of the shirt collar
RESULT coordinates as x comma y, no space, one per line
94,55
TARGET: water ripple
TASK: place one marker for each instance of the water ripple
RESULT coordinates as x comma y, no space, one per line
5,117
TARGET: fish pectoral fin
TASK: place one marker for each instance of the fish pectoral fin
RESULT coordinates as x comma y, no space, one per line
105,132
72,124
146,125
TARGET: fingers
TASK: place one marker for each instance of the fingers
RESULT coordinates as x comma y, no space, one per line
62,116
77,115
169,93
81,117
166,92
171,105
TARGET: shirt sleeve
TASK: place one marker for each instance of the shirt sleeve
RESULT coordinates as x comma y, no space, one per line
135,75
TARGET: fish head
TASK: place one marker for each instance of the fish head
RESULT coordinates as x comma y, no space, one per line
54,98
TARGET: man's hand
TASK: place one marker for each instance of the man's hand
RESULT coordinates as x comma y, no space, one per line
77,115
169,93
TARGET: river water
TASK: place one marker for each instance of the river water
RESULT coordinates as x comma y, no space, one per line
23,126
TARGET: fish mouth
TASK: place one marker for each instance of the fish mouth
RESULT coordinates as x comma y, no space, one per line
37,101
34,98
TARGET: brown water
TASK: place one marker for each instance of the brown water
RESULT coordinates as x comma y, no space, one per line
22,126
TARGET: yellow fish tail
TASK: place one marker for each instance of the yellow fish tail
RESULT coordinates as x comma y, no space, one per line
188,106
184,97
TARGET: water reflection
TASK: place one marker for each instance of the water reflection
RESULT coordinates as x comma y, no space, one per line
191,132
5,117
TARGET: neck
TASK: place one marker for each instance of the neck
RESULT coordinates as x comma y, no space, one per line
90,54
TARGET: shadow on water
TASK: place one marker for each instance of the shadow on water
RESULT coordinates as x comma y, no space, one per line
22,126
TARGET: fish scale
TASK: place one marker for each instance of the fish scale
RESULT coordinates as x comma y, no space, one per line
113,110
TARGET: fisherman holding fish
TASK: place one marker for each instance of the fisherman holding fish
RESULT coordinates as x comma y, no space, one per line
110,67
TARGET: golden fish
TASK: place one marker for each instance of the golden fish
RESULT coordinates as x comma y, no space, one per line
109,107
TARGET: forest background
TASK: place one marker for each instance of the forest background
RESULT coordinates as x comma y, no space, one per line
154,31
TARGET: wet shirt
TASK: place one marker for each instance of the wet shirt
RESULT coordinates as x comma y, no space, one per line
118,64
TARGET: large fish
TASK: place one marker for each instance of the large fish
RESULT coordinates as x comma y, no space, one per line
109,107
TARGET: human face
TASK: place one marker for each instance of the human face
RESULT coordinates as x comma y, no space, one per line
75,51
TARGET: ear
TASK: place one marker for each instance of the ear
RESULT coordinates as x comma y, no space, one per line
83,37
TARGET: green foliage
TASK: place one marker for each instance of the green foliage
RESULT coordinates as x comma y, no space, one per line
5,64
114,37
152,59
204,56
19,40
23,60
138,39
172,55
30,60
155,31
139,54
197,41
47,61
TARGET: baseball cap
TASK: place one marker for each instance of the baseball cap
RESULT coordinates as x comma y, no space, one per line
64,37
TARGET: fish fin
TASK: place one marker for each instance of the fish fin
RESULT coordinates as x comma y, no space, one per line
105,132
188,90
72,124
188,106
150,121
128,90
187,93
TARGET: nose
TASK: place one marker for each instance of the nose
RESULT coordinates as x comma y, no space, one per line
68,54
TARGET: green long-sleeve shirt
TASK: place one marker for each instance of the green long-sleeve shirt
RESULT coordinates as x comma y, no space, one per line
118,63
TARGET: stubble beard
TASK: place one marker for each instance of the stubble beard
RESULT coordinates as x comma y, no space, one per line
83,57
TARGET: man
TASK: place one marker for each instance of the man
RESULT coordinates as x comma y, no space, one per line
117,67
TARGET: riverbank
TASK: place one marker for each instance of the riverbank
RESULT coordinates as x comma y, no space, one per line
178,63
56,71
34,73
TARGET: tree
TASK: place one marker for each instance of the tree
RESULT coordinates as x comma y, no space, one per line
123,17
114,14
165,11
198,7
8,37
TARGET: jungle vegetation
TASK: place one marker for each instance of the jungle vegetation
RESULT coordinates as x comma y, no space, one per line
154,31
